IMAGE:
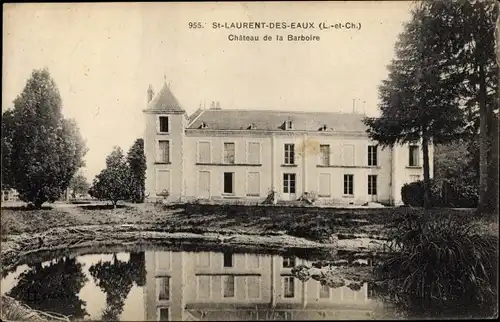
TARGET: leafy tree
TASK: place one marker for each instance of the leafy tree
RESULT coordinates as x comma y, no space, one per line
458,160
79,185
46,149
115,279
114,182
418,101
137,163
467,29
7,129
54,287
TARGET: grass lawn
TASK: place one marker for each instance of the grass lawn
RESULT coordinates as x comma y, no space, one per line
311,223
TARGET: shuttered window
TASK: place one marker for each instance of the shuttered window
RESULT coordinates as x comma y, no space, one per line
254,153
253,184
348,155
324,185
204,152
163,151
324,151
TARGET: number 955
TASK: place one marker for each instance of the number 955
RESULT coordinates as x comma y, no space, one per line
195,25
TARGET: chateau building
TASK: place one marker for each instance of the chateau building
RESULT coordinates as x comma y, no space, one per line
221,153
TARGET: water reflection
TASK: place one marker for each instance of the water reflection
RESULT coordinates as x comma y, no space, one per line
174,285
115,278
54,287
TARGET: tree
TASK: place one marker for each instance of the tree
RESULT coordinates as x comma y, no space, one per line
115,278
79,185
418,101
54,287
114,182
46,149
137,163
467,29
7,128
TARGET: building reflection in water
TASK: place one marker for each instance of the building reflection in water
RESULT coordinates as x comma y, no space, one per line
226,286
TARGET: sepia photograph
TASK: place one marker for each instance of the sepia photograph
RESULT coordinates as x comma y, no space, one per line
244,161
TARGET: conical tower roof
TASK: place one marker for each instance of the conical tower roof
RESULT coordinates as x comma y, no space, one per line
165,101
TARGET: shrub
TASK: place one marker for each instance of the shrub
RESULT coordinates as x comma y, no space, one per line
441,266
460,194
412,194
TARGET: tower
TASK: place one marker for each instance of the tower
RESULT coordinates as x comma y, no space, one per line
165,122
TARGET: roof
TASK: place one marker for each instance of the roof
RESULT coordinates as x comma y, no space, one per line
220,119
165,101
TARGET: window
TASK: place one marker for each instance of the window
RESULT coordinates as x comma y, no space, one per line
228,182
253,184
348,155
228,259
163,124
324,151
204,152
228,286
164,288
414,178
372,155
164,316
414,156
288,262
288,182
324,185
372,184
204,286
324,292
348,184
289,153
164,151
289,286
253,152
229,153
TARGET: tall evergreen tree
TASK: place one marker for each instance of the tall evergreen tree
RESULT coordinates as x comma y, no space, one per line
46,149
467,30
7,131
137,163
418,101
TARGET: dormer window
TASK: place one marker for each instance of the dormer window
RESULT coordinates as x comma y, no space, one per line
252,126
203,125
289,125
323,128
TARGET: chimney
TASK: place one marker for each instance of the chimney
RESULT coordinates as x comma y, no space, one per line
217,106
150,93
212,106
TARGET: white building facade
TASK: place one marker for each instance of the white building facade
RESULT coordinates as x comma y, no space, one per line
244,154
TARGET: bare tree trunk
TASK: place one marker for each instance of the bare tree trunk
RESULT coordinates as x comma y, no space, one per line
427,188
485,152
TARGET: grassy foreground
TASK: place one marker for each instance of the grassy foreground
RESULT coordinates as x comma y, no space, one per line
311,223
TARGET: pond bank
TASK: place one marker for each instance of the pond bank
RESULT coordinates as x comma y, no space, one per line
18,246
75,226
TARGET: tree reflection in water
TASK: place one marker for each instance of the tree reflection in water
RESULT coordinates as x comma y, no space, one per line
116,278
53,288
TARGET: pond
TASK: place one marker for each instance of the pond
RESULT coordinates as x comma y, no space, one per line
165,284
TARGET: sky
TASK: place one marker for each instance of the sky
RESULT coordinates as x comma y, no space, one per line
103,57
